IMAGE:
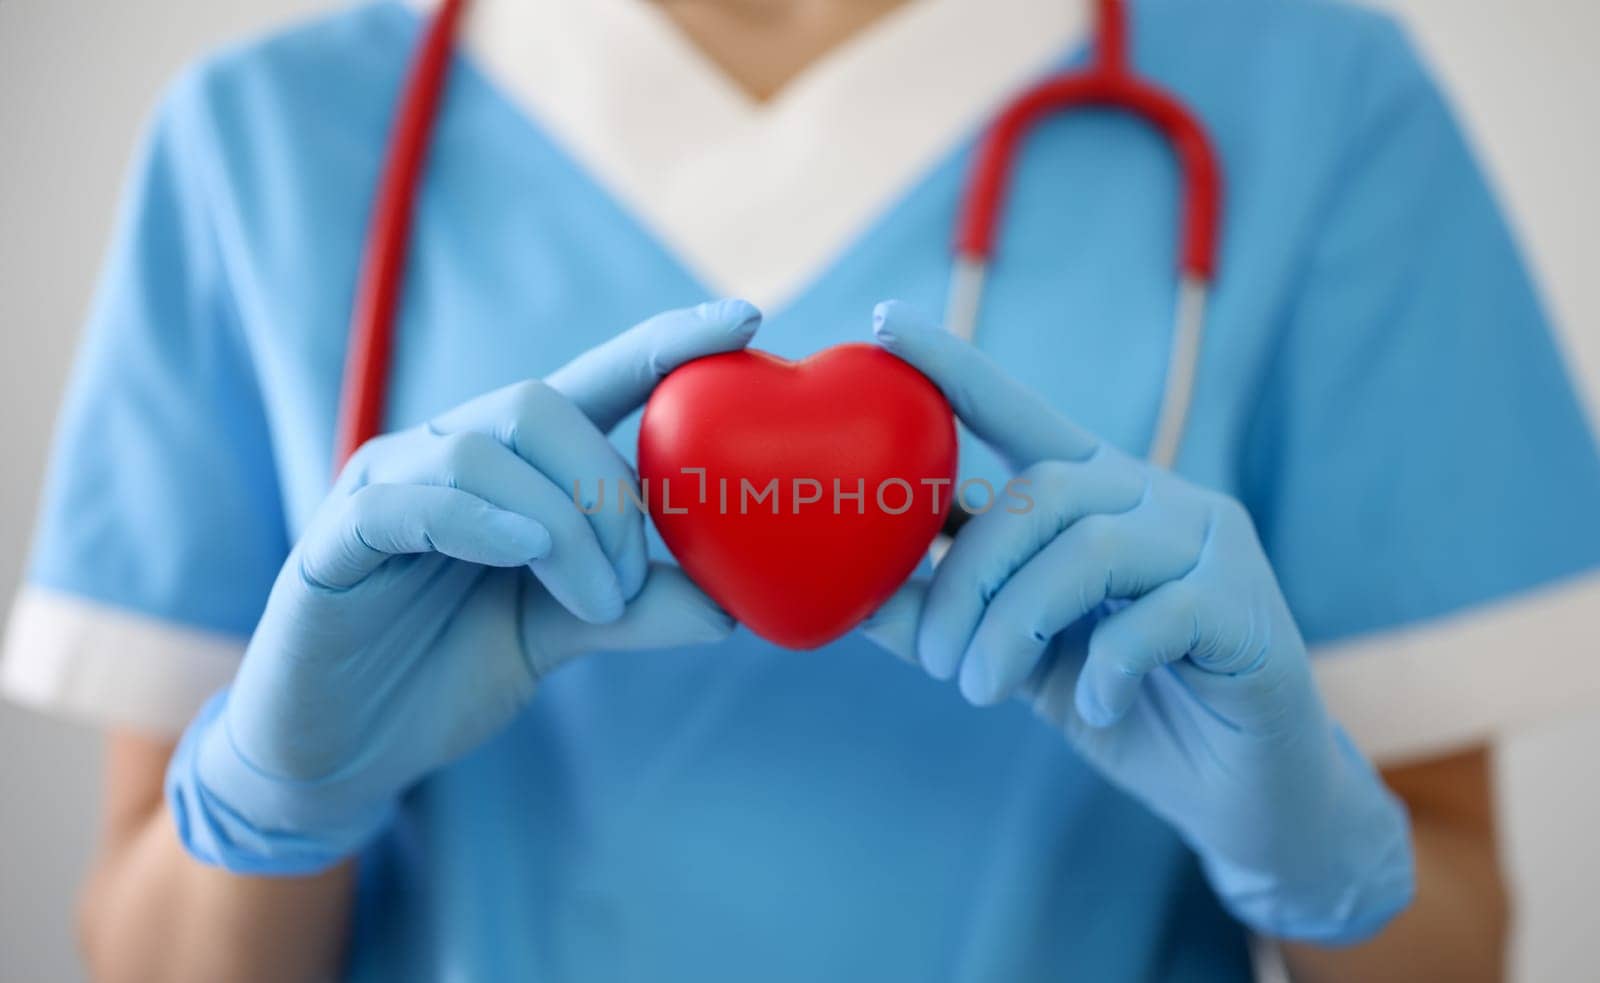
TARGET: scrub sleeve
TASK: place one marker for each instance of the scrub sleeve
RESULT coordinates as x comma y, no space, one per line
1421,471
161,528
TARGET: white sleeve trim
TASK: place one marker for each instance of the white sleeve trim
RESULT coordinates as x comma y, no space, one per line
1463,679
109,666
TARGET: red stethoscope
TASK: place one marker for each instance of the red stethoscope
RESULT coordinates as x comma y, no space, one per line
1108,82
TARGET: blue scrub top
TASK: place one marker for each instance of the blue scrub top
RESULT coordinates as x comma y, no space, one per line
1378,386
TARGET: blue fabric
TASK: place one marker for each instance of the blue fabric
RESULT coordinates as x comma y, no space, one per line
1378,386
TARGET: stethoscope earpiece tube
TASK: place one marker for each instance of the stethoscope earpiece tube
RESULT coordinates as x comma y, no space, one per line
1109,82
379,285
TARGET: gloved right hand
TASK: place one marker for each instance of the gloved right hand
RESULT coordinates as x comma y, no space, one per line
446,573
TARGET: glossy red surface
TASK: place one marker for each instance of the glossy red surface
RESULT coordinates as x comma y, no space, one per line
796,571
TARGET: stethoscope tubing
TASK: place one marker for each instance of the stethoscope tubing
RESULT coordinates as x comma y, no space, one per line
1109,83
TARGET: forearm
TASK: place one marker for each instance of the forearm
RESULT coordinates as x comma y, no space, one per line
1456,928
150,911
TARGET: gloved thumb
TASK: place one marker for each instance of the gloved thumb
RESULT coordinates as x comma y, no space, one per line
668,612
612,380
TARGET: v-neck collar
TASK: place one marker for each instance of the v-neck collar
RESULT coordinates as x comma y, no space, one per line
756,197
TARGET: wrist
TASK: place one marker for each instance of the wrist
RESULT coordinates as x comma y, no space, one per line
1342,871
230,814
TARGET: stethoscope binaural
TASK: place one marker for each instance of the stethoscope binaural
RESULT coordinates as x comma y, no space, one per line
1108,82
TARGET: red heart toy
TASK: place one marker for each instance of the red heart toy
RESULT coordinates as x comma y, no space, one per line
799,495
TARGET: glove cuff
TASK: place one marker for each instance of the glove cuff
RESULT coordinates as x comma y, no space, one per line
1349,879
231,815
1358,911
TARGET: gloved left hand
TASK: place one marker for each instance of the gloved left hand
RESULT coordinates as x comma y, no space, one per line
1138,614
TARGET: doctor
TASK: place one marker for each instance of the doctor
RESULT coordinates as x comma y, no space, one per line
436,723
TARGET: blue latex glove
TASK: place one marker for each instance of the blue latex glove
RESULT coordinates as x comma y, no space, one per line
446,573
1138,614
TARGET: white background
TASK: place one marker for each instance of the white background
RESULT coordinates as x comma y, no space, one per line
77,78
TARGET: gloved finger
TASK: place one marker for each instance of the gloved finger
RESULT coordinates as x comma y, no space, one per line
614,379
1094,560
668,612
547,430
1049,687
1160,628
893,627
1003,413
576,569
381,521
995,544
1254,700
